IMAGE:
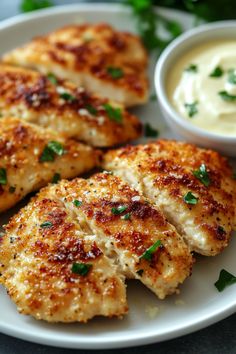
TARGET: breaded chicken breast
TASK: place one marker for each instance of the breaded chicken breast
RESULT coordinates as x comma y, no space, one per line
97,57
31,157
192,186
64,257
64,107
55,271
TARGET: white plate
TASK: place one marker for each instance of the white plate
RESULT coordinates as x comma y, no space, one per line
199,303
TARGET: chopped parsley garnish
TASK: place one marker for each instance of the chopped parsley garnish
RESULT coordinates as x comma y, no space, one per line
147,255
81,268
189,198
68,97
191,108
192,68
115,73
217,72
225,279
227,96
12,189
126,216
56,178
119,210
50,151
92,110
113,112
32,5
150,132
77,203
3,176
153,97
232,76
46,225
202,175
140,272
51,77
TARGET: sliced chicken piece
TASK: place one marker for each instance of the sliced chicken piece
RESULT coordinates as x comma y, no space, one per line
98,57
31,157
193,187
55,271
65,108
100,229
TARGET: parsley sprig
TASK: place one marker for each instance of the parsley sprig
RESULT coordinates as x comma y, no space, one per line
149,23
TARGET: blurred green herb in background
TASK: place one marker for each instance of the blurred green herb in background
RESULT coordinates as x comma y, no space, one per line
32,5
149,22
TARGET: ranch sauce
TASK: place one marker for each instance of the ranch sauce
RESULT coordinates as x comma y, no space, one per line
202,87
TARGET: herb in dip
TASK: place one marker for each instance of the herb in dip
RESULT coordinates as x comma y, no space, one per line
191,108
217,72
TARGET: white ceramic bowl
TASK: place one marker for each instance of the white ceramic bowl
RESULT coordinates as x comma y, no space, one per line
184,43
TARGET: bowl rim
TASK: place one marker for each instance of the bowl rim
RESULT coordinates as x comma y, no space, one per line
159,79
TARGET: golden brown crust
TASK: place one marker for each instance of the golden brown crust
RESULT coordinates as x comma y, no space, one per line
164,170
36,266
21,148
34,98
36,261
84,54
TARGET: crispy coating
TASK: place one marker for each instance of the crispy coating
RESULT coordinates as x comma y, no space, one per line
163,171
36,266
21,148
87,55
36,261
35,98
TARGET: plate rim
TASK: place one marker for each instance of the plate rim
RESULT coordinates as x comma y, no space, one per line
132,339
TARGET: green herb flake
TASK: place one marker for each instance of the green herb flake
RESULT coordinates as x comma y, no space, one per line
232,76
150,132
113,113
50,151
32,5
68,97
191,108
12,189
192,68
77,203
3,176
81,268
226,96
202,175
153,97
126,216
147,255
189,198
91,109
225,279
46,225
217,72
51,77
119,210
115,73
140,272
56,178
56,147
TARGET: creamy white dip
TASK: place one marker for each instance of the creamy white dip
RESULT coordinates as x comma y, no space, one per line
201,86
